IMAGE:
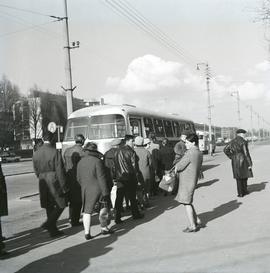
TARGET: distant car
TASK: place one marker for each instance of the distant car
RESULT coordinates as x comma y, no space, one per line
227,140
220,141
9,157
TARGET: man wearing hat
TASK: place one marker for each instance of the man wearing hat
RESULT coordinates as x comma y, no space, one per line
49,169
237,151
127,172
72,156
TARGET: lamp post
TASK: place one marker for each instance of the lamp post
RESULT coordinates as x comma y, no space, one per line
209,106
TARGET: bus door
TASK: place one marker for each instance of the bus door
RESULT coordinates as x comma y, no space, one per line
135,126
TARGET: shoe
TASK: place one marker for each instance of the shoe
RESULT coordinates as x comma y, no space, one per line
240,195
78,224
189,229
3,253
88,236
106,231
138,216
56,233
118,221
45,226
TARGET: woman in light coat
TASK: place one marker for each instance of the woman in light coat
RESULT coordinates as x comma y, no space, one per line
189,169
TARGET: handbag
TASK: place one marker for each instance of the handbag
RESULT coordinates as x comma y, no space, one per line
168,181
104,213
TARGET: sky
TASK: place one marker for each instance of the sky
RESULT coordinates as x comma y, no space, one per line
118,61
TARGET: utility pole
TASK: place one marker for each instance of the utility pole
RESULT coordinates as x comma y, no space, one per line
209,106
238,106
251,122
259,133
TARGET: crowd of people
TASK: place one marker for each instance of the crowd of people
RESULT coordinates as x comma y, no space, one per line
83,178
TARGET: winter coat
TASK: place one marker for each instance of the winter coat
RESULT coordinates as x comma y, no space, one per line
166,155
126,166
237,151
72,156
189,167
3,195
91,175
49,168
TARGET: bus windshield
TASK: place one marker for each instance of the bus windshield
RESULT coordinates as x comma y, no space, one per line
96,127
76,126
107,126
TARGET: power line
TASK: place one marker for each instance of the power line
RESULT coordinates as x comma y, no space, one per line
142,24
24,29
24,10
24,22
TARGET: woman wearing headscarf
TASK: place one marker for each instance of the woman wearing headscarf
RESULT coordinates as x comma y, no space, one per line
91,175
189,169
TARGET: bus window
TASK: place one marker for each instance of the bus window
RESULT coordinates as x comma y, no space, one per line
135,126
148,125
176,129
168,128
159,128
107,126
187,127
182,126
76,126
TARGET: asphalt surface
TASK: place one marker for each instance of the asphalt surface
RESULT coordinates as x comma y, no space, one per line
236,237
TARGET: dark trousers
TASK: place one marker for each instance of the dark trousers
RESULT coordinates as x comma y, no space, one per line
130,191
75,212
241,186
53,213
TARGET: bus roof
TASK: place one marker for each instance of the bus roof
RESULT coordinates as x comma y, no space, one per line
120,109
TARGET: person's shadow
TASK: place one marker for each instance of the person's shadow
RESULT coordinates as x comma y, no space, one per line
257,187
76,258
30,239
207,183
219,211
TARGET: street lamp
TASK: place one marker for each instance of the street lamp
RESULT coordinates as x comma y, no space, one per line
209,106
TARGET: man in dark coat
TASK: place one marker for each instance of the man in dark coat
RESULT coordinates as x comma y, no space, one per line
48,166
72,156
237,151
127,172
3,209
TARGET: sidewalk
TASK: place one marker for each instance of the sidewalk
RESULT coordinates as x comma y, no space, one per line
236,238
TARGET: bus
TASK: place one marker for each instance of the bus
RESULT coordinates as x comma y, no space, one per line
101,124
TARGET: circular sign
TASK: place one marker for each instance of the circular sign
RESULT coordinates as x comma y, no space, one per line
51,127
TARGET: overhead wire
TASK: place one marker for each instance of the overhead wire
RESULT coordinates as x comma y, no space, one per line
142,24
24,22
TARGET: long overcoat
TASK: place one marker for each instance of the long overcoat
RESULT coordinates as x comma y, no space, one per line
91,175
72,156
3,195
237,150
145,166
49,168
189,167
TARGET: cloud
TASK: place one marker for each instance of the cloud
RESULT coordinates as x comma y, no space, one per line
263,66
250,91
147,73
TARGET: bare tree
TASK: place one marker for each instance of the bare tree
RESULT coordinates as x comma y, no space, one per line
35,117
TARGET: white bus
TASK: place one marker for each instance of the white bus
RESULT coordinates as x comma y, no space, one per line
104,123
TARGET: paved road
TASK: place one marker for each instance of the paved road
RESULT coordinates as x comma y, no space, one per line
236,238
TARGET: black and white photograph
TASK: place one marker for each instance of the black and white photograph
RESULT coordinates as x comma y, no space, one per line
134,136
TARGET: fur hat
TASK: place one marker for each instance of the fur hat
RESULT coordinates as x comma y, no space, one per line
241,131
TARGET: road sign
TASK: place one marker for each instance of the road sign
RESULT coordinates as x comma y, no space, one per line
52,127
